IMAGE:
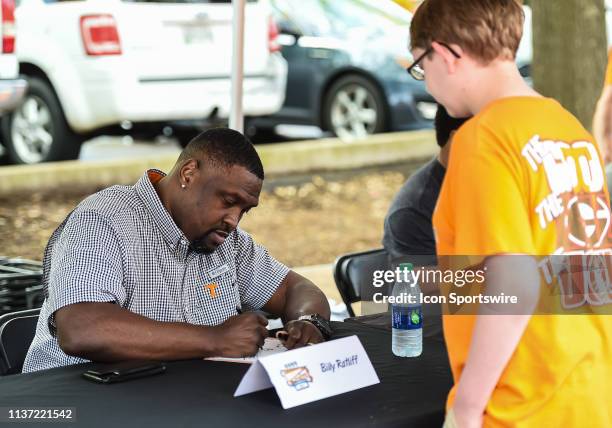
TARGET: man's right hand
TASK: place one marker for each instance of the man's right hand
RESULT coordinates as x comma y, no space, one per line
241,335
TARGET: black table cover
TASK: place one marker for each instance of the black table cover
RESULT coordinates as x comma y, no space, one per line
199,393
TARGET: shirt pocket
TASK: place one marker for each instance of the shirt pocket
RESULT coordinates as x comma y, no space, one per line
216,298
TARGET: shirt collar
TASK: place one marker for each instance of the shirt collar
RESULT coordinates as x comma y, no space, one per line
161,217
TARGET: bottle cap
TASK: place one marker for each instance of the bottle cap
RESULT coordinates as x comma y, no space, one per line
406,266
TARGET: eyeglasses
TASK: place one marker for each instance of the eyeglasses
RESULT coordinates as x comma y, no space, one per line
416,70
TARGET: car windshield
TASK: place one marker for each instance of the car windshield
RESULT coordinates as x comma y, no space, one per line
337,17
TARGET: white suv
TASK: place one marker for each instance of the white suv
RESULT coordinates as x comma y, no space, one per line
96,66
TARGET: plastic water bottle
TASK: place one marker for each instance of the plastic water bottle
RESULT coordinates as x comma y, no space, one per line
407,318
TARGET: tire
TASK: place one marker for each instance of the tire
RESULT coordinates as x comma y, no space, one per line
37,130
354,107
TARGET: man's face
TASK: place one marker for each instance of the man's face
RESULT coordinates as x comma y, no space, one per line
214,202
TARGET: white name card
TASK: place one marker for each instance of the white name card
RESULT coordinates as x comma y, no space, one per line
311,373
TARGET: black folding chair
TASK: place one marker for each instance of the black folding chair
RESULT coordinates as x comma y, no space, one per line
354,272
17,330
20,284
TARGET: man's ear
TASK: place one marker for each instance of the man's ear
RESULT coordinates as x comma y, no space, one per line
449,59
188,172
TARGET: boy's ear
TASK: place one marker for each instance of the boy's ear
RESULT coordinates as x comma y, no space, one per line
449,59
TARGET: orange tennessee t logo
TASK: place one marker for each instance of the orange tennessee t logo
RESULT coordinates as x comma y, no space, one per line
212,289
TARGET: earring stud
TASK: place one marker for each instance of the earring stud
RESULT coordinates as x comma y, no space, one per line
182,186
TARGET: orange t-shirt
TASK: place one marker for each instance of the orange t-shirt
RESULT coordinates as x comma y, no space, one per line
526,178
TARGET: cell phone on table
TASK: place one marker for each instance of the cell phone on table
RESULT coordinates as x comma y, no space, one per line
123,371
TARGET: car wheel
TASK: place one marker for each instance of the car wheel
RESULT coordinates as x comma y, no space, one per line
37,130
354,108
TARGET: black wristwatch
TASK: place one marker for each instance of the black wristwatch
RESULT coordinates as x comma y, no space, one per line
320,323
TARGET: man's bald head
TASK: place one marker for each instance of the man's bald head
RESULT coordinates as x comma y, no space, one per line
223,147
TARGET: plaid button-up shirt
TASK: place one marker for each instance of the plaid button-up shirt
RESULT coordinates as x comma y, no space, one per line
121,245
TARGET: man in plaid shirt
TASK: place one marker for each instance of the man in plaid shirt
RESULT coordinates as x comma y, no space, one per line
161,271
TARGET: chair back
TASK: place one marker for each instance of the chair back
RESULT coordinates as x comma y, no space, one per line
353,274
17,331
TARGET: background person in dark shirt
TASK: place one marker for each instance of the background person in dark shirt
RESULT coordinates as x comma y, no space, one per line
408,230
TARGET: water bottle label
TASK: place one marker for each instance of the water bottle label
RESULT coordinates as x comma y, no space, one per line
407,318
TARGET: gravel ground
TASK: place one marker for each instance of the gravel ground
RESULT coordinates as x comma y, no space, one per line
303,220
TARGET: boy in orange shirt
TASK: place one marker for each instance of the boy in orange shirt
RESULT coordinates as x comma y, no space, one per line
525,181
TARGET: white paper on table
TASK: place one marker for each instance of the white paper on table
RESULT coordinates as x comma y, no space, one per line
271,346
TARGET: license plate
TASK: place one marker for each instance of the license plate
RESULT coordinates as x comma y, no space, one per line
197,35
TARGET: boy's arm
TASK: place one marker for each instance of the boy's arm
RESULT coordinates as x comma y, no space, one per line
496,334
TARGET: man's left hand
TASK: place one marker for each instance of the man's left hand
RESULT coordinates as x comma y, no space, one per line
300,333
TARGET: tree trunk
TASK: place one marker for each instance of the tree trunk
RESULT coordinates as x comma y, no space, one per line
569,53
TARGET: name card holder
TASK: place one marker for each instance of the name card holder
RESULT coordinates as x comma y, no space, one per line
311,373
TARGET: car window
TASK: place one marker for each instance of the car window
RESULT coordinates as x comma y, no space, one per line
306,15
359,13
337,17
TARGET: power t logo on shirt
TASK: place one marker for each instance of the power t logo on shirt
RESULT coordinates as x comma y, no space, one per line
212,289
